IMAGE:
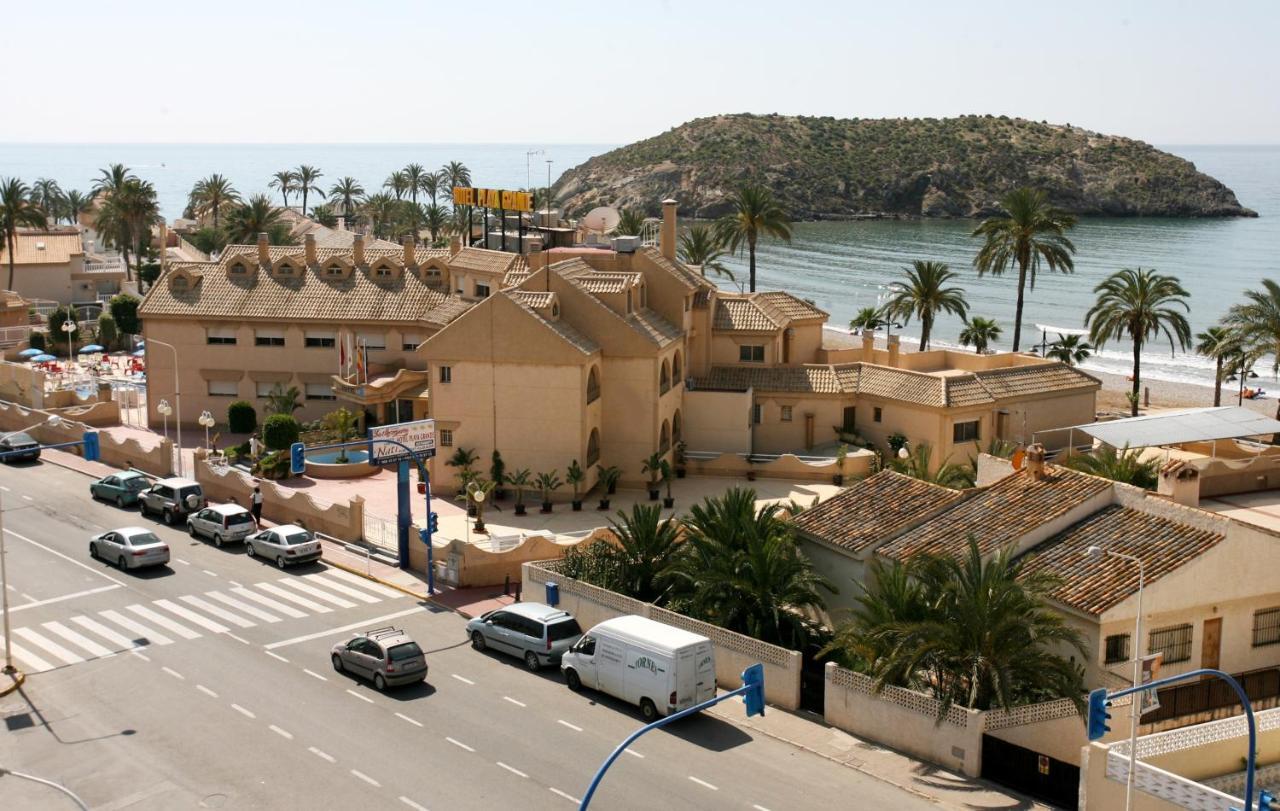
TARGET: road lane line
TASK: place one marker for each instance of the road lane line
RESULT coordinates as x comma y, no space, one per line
634,753
140,655
276,656
191,616
211,574
322,755
151,636
67,558
459,744
512,769
314,674
362,698
79,640
404,717
283,733
49,645
275,605
513,701
362,582
235,584
759,808
565,723
28,498
366,778
220,613
703,783
285,594
6,489
206,691
362,624
462,679
51,600
341,588
105,632
239,639
568,797
319,594
183,562
412,804
173,673
34,663
243,711
242,606
164,622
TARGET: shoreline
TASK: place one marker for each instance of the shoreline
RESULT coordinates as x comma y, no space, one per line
1166,394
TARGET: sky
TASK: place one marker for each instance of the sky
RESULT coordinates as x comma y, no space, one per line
562,71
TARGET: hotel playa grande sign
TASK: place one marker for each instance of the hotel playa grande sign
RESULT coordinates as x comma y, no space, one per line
493,198
419,435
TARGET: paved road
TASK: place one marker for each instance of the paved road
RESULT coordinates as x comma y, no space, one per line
207,684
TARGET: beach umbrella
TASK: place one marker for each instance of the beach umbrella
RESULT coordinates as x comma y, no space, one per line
30,352
91,349
45,358
140,354
141,344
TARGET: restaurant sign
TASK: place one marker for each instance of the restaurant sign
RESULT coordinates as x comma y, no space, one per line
418,436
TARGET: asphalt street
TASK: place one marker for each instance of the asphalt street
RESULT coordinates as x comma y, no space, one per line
207,684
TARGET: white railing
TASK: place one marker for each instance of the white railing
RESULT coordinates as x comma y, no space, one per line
108,266
9,336
381,533
650,233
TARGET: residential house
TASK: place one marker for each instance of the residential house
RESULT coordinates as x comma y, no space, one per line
51,266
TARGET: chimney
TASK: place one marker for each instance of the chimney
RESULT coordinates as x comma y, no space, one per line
264,252
410,253
357,250
1180,483
1034,461
455,245
342,223
309,249
667,237
868,346
893,350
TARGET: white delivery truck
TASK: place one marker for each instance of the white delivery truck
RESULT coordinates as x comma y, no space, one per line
657,667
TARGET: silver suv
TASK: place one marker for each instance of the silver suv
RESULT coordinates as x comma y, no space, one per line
535,632
174,499
223,523
386,655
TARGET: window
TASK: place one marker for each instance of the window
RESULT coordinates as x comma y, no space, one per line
179,283
965,431
265,387
664,437
786,413
238,269
877,414
321,339
320,391
446,374
333,270
373,340
223,388
675,427
676,371
446,438
220,335
756,414
1173,642
593,447
1117,648
664,379
751,353
482,290
268,337
409,341
593,386
285,270
1266,627
382,272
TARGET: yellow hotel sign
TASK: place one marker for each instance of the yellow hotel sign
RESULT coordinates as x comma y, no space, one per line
493,198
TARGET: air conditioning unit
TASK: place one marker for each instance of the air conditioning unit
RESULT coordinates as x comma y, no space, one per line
626,244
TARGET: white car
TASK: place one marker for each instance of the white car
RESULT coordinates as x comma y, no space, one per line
129,548
222,523
285,544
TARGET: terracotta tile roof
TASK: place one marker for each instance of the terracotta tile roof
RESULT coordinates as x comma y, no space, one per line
654,327
702,298
677,270
792,307
1021,381
565,330
900,384
644,321
483,260
816,379
874,509
58,248
607,282
744,315
965,390
1093,587
517,273
999,514
532,298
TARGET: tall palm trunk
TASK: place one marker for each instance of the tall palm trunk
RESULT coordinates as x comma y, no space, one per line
1017,310
284,194
1217,384
304,201
1137,362
9,239
751,252
926,327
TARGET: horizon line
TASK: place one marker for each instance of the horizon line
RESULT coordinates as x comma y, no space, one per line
481,143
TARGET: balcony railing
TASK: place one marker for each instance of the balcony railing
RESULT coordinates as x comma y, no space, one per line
108,266
1204,696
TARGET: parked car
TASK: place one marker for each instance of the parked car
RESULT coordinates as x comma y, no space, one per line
28,450
122,488
286,544
129,548
657,667
222,523
386,655
174,499
535,632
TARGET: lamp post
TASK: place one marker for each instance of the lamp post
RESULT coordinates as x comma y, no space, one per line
1095,555
69,327
177,391
165,410
206,420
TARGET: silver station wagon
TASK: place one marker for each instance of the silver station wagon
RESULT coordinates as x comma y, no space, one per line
129,548
222,523
286,544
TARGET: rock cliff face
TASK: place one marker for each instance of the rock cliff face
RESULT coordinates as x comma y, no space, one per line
828,168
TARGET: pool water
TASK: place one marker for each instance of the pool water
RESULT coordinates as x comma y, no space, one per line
331,457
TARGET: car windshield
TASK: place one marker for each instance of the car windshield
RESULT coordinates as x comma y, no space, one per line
143,539
138,483
20,440
296,538
563,630
239,518
408,650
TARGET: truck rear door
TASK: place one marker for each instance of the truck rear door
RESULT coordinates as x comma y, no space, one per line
704,654
686,678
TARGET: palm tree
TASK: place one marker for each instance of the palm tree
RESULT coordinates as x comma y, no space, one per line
867,319
112,178
923,296
646,546
980,333
700,245
1070,349
257,216
283,401
1031,232
455,173
379,209
436,219
17,211
1124,466
1139,304
347,189
396,183
47,194
630,222
213,195
430,185
325,215
75,203
286,180
917,465
1257,320
308,177
415,175
1219,343
140,210
753,211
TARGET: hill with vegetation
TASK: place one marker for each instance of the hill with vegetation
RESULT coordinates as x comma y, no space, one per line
830,168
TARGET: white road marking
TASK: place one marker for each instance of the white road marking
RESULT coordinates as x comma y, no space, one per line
412,804
759,808
512,769
49,645
340,588
362,698
459,744
33,603
35,663
206,691
143,632
239,639
105,632
140,655
241,606
366,778
164,622
283,733
296,583
276,605
321,755
191,616
276,656
79,639
243,711
314,674
565,723
173,673
26,597
462,679
6,489
284,594
28,498
211,574
234,583
568,797
67,558
513,701
183,562
703,783
362,624
404,717
634,753
220,613
363,582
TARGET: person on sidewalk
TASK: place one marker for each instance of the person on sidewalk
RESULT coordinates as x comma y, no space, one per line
256,505
254,448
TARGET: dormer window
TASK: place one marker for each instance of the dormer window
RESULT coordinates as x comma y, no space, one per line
382,272
333,270
285,270
239,269
180,284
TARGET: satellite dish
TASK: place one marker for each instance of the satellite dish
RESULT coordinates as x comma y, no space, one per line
602,219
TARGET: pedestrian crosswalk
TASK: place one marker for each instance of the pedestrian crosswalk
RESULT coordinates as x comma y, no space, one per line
106,633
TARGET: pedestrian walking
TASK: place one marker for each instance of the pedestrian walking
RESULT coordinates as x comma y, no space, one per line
256,505
255,448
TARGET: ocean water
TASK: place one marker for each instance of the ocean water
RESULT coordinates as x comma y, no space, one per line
842,266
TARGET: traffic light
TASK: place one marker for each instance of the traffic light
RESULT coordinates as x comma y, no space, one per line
1265,799
297,459
753,680
1098,715
92,451
433,523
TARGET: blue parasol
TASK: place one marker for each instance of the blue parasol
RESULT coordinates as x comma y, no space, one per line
30,352
92,349
45,358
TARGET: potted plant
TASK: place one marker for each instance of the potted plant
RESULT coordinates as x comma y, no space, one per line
841,453
680,460
465,480
653,466
608,476
575,476
520,479
548,482
666,470
497,472
478,490
341,423
463,459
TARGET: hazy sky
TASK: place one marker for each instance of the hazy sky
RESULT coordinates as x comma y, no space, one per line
558,71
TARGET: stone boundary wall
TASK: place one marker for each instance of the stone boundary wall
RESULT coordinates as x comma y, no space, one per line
102,414
787,466
475,566
281,505
157,460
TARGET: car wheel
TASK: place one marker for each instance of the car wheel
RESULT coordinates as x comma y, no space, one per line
191,528
477,640
93,551
120,561
337,663
120,502
248,549
168,517
217,541
379,683
531,662
572,679
648,711
280,561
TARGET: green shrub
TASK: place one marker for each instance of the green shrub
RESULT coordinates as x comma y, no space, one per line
280,431
38,340
241,417
124,309
107,332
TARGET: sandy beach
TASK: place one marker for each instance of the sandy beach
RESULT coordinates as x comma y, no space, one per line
1165,394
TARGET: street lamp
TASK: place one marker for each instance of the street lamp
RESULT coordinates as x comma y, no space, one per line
206,420
69,327
165,410
1095,554
177,390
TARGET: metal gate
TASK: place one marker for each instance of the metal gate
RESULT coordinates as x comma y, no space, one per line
381,533
1031,773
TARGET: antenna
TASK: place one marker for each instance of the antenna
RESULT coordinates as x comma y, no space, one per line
528,166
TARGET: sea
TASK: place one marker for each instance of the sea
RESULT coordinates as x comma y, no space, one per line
840,266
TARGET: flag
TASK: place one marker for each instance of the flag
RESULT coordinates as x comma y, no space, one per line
364,348
359,359
351,361
342,358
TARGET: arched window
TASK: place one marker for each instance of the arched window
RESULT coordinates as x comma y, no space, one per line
675,426
593,447
676,370
664,380
664,439
593,386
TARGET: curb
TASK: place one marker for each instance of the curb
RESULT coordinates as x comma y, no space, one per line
19,678
379,580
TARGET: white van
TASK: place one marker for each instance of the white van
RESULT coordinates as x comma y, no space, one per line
657,667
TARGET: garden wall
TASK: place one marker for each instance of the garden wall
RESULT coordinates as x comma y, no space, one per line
156,460
281,505
786,466
472,565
